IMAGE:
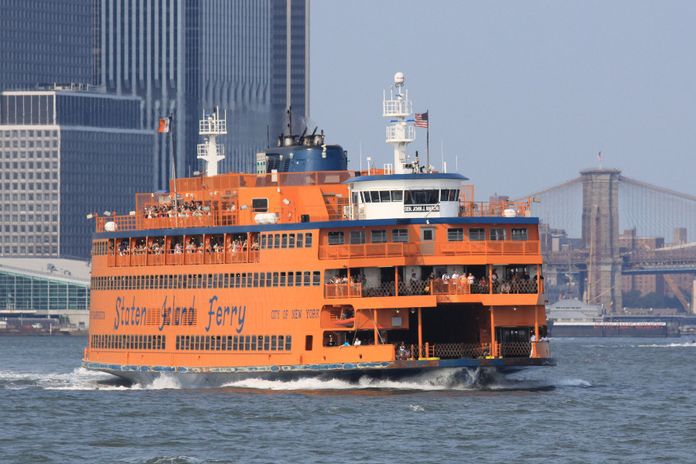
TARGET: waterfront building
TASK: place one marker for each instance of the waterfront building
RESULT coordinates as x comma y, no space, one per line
45,42
66,152
183,57
34,292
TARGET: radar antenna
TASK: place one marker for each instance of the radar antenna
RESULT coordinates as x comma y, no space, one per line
209,128
400,131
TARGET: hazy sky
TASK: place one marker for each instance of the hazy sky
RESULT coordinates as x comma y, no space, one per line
525,93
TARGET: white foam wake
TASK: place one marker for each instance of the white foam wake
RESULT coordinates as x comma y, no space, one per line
691,344
79,379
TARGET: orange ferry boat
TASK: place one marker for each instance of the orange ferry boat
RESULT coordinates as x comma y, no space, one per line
308,269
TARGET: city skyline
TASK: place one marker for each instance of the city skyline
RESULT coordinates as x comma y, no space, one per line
524,94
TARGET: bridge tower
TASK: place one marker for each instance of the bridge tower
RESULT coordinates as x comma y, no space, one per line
600,235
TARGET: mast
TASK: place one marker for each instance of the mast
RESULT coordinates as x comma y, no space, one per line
209,128
400,131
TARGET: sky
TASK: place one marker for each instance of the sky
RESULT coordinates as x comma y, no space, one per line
522,95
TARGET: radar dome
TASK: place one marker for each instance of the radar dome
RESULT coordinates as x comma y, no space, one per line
399,78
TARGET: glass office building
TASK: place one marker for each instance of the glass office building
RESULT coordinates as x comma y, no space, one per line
43,42
34,289
248,57
64,153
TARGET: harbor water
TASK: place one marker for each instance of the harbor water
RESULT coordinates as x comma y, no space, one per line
608,400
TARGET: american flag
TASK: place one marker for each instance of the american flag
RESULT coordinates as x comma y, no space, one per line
422,120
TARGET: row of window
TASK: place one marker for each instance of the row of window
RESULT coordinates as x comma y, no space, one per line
409,197
234,342
456,234
298,240
129,342
238,280
359,236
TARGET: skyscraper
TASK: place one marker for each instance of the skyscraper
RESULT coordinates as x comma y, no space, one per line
66,152
182,57
45,42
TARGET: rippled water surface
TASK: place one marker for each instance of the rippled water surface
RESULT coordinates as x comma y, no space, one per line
608,400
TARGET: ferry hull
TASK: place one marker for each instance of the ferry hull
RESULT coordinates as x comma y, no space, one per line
217,377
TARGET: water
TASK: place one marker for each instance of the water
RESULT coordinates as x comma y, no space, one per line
608,400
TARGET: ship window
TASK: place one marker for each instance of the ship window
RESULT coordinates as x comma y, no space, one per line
201,280
300,239
455,235
253,343
307,279
357,237
308,240
477,234
291,279
519,234
275,279
262,279
259,343
269,277
316,278
384,196
247,342
365,197
375,197
309,339
497,234
288,343
291,241
444,194
207,343
427,234
379,236
263,241
397,195
259,205
211,282
281,342
274,343
400,235
276,241
282,279
335,238
235,343
227,278
421,197
256,279
266,343
454,195
284,242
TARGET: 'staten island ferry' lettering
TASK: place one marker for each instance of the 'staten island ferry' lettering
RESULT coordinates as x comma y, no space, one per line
306,268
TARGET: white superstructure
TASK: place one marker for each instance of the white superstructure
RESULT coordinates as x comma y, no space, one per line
209,128
400,131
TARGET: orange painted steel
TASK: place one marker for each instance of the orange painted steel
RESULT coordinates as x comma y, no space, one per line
177,286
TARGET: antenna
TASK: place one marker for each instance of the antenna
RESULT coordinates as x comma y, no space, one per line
209,127
400,132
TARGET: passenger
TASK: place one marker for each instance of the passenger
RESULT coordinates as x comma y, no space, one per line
357,342
402,352
331,341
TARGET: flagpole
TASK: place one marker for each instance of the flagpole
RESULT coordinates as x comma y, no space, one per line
172,143
427,141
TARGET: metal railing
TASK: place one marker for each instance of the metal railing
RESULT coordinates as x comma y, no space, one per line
468,248
442,350
171,257
436,287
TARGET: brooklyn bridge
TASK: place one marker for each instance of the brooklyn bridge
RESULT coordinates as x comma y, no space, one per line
605,235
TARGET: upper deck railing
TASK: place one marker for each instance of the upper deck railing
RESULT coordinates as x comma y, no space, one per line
220,212
214,201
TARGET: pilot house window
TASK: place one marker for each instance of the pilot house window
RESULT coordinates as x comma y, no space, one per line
336,238
519,234
259,205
